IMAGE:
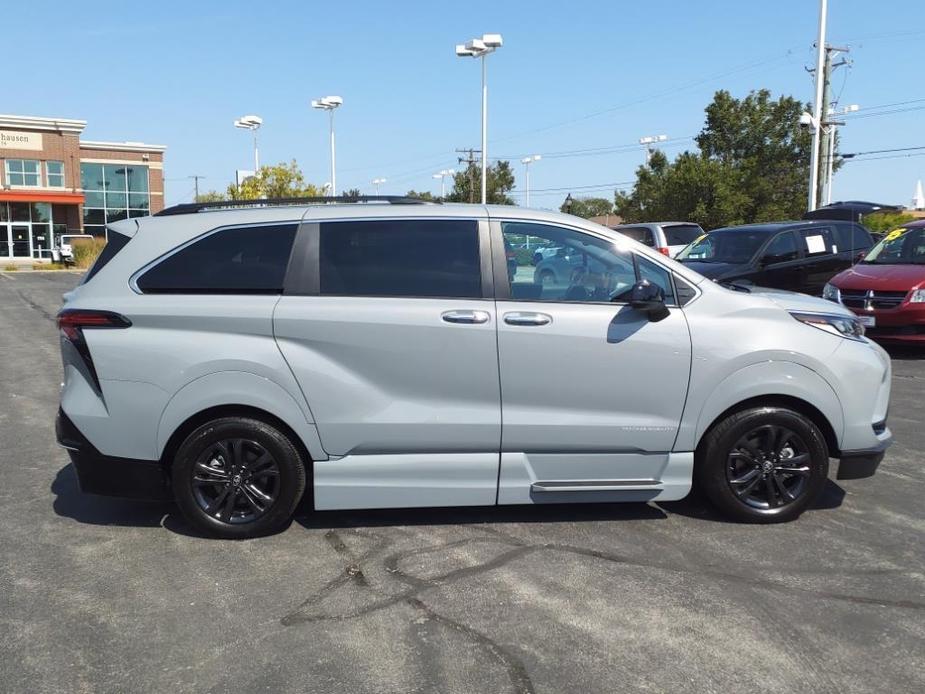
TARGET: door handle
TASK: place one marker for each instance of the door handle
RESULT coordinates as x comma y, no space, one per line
527,318
465,317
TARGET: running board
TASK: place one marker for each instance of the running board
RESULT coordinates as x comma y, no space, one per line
593,485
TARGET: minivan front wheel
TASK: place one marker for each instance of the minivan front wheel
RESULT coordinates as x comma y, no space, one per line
238,477
763,464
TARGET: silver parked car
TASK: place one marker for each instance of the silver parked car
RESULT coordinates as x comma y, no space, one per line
668,238
386,355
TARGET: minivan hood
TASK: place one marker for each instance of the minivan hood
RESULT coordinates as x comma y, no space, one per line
713,270
891,278
792,301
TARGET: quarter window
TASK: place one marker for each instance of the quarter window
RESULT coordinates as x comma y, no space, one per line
54,174
411,258
23,172
235,260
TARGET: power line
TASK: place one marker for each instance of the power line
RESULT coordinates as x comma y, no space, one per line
888,156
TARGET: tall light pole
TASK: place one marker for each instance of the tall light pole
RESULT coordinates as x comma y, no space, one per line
480,48
526,161
817,108
377,182
648,141
329,104
252,123
442,176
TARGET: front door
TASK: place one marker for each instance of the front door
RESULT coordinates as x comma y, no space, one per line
389,327
21,240
592,390
780,264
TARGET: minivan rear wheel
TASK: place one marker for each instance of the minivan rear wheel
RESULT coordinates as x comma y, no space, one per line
763,464
238,477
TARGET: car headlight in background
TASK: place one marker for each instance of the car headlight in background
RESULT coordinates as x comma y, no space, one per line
831,292
917,296
844,326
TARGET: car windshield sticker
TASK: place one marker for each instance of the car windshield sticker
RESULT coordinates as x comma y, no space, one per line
895,234
815,244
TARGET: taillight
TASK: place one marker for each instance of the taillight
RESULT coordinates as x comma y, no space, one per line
73,321
664,251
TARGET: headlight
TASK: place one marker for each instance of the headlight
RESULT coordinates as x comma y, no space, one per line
917,297
845,326
831,292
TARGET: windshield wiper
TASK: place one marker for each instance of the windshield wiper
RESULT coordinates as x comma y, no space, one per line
733,286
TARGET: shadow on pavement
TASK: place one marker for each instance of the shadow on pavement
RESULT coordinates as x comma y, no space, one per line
696,506
541,513
905,353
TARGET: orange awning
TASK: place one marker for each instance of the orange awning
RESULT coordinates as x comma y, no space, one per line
60,198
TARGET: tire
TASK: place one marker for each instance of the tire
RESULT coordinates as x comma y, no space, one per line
547,277
762,465
238,477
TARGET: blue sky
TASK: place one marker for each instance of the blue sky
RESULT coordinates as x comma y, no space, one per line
571,76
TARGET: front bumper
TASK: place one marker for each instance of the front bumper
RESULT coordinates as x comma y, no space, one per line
904,324
107,475
859,464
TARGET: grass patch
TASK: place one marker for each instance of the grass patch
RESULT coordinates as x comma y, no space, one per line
10,267
86,250
49,266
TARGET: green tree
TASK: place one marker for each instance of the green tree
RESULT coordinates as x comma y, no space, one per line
588,207
210,196
467,184
424,195
752,166
886,221
351,194
279,181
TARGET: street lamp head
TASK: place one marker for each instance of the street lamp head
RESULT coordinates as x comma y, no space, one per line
249,122
475,46
463,52
327,103
492,40
438,175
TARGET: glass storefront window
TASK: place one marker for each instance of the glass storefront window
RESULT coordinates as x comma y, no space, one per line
23,172
137,179
41,212
4,212
138,201
93,199
20,212
114,175
91,176
54,174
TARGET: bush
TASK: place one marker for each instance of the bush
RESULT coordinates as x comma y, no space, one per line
524,256
86,250
10,267
882,222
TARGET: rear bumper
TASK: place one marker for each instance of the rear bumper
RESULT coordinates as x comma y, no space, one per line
859,464
107,475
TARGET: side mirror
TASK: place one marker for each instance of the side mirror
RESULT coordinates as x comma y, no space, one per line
860,256
649,299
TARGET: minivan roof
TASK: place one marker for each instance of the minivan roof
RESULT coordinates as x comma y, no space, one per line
773,227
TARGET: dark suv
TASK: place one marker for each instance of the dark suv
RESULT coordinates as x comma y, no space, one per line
797,256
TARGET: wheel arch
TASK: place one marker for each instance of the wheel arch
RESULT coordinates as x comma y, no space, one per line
789,402
220,411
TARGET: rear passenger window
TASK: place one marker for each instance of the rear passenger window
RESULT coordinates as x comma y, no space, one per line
411,258
818,241
234,260
641,234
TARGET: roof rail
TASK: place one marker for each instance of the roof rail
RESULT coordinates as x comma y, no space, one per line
192,207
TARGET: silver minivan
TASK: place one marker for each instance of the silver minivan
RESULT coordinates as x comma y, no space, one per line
233,357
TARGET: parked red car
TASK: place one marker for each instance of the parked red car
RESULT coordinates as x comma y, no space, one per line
887,288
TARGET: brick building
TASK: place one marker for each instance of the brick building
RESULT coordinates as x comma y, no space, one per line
52,182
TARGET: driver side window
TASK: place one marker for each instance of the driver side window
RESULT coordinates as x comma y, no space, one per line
550,263
781,249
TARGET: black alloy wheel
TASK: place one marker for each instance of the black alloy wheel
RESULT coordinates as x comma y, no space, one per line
235,480
769,467
762,464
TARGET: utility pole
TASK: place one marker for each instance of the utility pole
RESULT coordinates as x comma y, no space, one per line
826,125
469,160
196,186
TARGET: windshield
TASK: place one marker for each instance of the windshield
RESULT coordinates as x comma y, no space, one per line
724,246
899,247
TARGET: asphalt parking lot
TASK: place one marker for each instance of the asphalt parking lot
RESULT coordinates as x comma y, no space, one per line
104,595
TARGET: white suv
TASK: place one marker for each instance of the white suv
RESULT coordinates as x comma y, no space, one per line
387,355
